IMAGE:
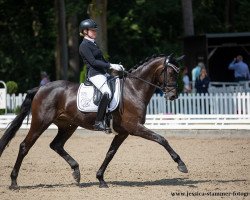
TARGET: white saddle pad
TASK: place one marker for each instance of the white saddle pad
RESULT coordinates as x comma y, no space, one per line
85,98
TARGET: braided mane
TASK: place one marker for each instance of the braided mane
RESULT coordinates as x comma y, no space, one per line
145,61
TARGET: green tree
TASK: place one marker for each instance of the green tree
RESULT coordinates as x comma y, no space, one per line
142,28
188,23
27,35
98,11
135,29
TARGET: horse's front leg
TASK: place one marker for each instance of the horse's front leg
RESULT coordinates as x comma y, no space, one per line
143,132
117,141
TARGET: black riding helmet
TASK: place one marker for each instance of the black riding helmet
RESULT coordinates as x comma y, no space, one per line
87,24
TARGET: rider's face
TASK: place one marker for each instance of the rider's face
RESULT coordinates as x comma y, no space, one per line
92,33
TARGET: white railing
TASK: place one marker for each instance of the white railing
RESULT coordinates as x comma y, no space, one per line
162,122
225,107
229,87
214,103
5,121
15,101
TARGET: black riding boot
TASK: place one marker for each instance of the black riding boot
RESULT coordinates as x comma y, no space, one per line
100,124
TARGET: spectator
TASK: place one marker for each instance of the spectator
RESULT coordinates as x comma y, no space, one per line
186,81
196,71
44,78
241,70
202,82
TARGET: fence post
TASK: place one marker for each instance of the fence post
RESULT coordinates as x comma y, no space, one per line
3,97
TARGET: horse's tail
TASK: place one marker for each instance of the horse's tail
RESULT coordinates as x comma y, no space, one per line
17,122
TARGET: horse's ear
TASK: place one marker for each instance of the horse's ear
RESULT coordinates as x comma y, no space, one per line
170,56
180,58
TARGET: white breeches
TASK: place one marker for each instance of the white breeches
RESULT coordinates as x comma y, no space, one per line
100,81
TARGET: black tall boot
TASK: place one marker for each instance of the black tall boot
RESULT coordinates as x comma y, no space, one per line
100,124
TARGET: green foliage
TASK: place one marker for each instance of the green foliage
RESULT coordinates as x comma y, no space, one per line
83,74
213,16
12,87
28,31
136,29
143,28
241,19
17,110
2,111
180,84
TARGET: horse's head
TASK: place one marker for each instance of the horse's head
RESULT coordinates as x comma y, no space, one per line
168,76
157,72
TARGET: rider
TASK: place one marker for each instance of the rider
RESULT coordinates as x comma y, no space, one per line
97,68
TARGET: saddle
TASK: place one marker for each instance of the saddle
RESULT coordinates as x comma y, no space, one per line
89,97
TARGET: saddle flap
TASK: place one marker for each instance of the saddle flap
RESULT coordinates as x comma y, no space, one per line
97,96
88,97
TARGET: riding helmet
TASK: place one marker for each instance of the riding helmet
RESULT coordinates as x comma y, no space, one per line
87,24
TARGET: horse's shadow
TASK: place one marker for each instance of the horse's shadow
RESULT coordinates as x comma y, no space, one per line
161,182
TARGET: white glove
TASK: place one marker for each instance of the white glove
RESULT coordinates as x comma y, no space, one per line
117,67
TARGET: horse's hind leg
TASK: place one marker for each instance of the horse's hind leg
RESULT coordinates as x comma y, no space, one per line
58,146
28,142
117,141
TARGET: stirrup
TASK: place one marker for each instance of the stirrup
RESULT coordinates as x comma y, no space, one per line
101,126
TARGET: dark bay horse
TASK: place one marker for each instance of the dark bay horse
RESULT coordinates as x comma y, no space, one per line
56,103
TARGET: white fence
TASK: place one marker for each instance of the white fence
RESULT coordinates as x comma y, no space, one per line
223,98
225,107
211,122
5,121
162,122
214,103
189,111
14,101
229,87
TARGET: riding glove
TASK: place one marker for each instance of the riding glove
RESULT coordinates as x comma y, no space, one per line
117,67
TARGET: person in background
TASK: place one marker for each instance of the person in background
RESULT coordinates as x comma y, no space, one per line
186,81
44,78
196,71
241,70
202,82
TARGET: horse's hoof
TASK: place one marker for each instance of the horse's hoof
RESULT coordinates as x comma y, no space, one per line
103,185
182,168
14,187
77,175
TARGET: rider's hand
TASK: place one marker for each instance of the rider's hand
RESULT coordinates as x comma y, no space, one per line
117,67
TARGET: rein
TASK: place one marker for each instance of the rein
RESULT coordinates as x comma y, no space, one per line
166,62
126,72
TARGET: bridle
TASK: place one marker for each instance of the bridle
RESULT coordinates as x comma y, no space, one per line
167,64
164,72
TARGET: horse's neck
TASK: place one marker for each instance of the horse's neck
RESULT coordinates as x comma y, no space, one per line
142,90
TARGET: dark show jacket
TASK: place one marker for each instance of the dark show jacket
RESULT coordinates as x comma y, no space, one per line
202,85
92,56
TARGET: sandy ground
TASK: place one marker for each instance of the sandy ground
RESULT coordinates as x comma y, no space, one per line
219,168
